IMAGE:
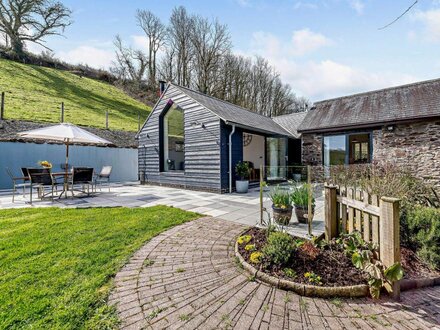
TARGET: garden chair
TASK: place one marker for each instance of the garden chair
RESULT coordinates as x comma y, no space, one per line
103,176
40,178
18,182
82,176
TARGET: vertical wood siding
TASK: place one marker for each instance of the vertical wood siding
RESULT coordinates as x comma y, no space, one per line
202,146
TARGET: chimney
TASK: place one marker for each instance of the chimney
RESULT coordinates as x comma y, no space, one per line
162,85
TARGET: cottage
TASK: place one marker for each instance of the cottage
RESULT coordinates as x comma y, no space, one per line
399,124
194,141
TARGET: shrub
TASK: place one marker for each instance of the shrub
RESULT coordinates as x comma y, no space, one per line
279,248
243,170
308,251
256,257
300,196
280,198
244,239
250,247
421,232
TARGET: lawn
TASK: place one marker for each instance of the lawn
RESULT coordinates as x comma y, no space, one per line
57,265
35,93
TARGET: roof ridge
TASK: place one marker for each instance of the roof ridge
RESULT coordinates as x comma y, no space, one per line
417,83
291,114
216,98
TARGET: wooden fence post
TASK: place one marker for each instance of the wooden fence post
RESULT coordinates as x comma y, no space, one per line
62,112
331,221
309,205
106,119
2,107
389,236
261,194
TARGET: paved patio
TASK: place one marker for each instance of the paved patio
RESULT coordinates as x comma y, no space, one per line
239,208
186,278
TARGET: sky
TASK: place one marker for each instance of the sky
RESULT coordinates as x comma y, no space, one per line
322,48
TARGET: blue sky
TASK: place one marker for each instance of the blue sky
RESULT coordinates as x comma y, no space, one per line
323,48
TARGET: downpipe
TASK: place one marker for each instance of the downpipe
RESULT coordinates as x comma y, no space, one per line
230,158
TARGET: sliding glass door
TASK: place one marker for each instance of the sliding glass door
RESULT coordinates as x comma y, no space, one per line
276,151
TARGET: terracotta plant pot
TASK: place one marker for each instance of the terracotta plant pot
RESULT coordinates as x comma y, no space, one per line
282,216
301,213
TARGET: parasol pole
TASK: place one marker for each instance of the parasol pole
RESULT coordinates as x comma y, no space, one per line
66,174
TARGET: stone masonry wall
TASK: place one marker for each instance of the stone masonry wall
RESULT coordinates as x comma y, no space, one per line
311,149
415,146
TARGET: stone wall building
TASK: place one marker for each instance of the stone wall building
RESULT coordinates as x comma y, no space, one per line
399,125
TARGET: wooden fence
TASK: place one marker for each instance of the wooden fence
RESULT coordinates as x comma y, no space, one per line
377,219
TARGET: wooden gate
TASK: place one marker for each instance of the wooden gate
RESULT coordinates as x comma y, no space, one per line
377,219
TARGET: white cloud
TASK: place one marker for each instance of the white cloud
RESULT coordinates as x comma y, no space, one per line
140,42
92,56
305,41
243,3
305,5
431,21
324,78
357,5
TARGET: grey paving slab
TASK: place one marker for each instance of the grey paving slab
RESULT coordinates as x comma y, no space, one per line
240,208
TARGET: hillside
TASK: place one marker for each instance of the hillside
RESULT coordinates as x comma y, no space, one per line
35,93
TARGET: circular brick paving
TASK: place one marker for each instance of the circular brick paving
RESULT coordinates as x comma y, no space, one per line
187,278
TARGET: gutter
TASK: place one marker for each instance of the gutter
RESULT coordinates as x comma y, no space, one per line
230,158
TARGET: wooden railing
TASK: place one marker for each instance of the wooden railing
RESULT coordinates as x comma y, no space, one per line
377,219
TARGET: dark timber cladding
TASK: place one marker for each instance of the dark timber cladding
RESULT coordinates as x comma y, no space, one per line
202,145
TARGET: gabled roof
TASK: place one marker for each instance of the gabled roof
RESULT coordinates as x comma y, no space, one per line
234,114
420,100
291,122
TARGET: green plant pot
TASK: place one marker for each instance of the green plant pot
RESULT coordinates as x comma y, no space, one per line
282,216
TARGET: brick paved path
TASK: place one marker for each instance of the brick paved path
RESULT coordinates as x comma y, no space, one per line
187,278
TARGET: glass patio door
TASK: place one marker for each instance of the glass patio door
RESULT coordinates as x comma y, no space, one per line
276,151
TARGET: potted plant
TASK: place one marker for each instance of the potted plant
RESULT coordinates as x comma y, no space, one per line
300,199
281,205
243,170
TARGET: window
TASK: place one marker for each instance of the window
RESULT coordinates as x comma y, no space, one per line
276,152
173,140
334,150
347,149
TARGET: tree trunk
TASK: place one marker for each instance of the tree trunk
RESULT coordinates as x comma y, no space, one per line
17,48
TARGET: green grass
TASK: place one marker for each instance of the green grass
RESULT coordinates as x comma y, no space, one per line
35,93
57,265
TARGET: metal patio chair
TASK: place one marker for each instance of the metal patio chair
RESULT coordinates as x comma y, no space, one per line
40,179
82,176
103,176
18,182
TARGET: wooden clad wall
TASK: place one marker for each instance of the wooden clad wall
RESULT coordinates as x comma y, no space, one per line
202,146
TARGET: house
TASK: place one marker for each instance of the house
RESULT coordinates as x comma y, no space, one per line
399,124
194,141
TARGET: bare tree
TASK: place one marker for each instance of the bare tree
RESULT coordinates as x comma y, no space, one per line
32,21
210,42
130,64
178,32
156,34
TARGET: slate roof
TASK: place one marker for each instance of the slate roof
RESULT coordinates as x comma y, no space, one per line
291,122
10,128
235,114
420,100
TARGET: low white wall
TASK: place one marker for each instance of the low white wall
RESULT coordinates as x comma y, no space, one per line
16,155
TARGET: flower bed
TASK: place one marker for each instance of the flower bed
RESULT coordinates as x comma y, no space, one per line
322,269
333,267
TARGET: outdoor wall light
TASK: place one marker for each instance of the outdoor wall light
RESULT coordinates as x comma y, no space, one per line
390,128
196,123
